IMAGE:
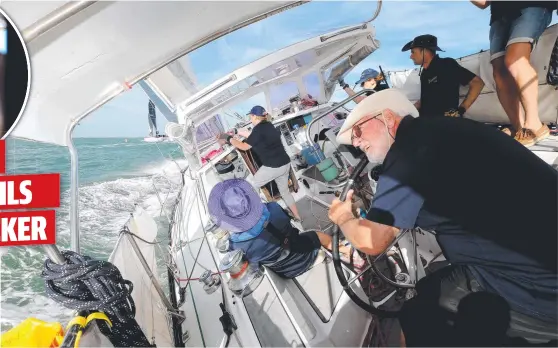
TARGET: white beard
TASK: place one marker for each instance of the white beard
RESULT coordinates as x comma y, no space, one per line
375,155
375,158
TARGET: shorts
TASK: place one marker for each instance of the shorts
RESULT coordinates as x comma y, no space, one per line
526,28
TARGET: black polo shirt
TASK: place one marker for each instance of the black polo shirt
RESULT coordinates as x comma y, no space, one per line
439,86
491,202
265,140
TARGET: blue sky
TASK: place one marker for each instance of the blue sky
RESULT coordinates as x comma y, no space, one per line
461,29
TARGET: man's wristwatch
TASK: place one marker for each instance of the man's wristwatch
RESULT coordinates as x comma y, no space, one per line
461,110
229,139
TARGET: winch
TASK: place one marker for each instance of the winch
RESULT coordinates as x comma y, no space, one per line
244,277
222,244
211,282
221,237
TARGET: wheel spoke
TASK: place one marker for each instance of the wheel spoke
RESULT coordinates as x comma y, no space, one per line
366,269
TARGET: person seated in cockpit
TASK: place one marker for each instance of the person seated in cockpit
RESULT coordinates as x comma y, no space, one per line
263,232
498,238
369,79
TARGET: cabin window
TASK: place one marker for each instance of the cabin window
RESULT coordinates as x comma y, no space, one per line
209,129
237,113
280,94
312,85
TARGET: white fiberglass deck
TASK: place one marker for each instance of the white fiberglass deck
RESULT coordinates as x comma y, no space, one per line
311,310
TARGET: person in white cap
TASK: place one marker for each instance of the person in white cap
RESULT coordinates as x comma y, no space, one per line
459,178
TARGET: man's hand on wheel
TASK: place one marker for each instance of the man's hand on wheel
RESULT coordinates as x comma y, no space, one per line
341,212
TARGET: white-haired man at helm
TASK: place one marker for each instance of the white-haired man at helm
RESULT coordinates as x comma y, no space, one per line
455,177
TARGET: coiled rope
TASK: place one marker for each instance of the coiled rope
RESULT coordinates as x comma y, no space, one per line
85,284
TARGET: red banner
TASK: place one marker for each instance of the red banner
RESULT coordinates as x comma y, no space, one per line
30,191
28,228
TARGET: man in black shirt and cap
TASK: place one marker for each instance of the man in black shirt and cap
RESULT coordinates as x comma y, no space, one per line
440,79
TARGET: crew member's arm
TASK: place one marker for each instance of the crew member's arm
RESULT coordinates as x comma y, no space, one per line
350,91
240,145
482,4
475,87
476,84
396,206
234,142
244,132
370,237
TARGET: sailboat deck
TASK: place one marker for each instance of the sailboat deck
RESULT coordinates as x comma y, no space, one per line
548,144
547,150
313,214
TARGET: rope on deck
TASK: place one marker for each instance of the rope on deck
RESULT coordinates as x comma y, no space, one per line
85,284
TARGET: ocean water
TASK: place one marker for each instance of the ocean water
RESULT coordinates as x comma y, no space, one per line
115,175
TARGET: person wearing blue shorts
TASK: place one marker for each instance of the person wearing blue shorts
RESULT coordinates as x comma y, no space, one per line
515,26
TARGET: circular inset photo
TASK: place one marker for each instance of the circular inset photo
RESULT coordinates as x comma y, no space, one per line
15,75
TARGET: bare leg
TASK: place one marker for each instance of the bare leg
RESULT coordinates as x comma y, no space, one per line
294,209
283,186
517,61
266,174
507,92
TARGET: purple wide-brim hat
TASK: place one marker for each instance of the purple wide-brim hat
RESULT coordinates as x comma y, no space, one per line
234,205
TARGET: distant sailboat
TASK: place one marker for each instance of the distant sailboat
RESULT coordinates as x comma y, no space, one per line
154,136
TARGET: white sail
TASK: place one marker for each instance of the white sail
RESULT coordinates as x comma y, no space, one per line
152,119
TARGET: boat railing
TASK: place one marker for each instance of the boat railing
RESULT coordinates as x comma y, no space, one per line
332,109
376,13
355,27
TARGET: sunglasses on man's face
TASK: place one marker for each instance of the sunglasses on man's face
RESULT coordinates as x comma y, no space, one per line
356,131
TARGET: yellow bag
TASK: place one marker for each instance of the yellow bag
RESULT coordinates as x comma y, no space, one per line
33,333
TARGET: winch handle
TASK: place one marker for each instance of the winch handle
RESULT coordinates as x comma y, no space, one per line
335,251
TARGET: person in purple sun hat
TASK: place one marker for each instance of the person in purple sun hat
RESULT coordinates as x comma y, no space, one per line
264,233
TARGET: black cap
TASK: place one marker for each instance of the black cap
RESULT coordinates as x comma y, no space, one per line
423,41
